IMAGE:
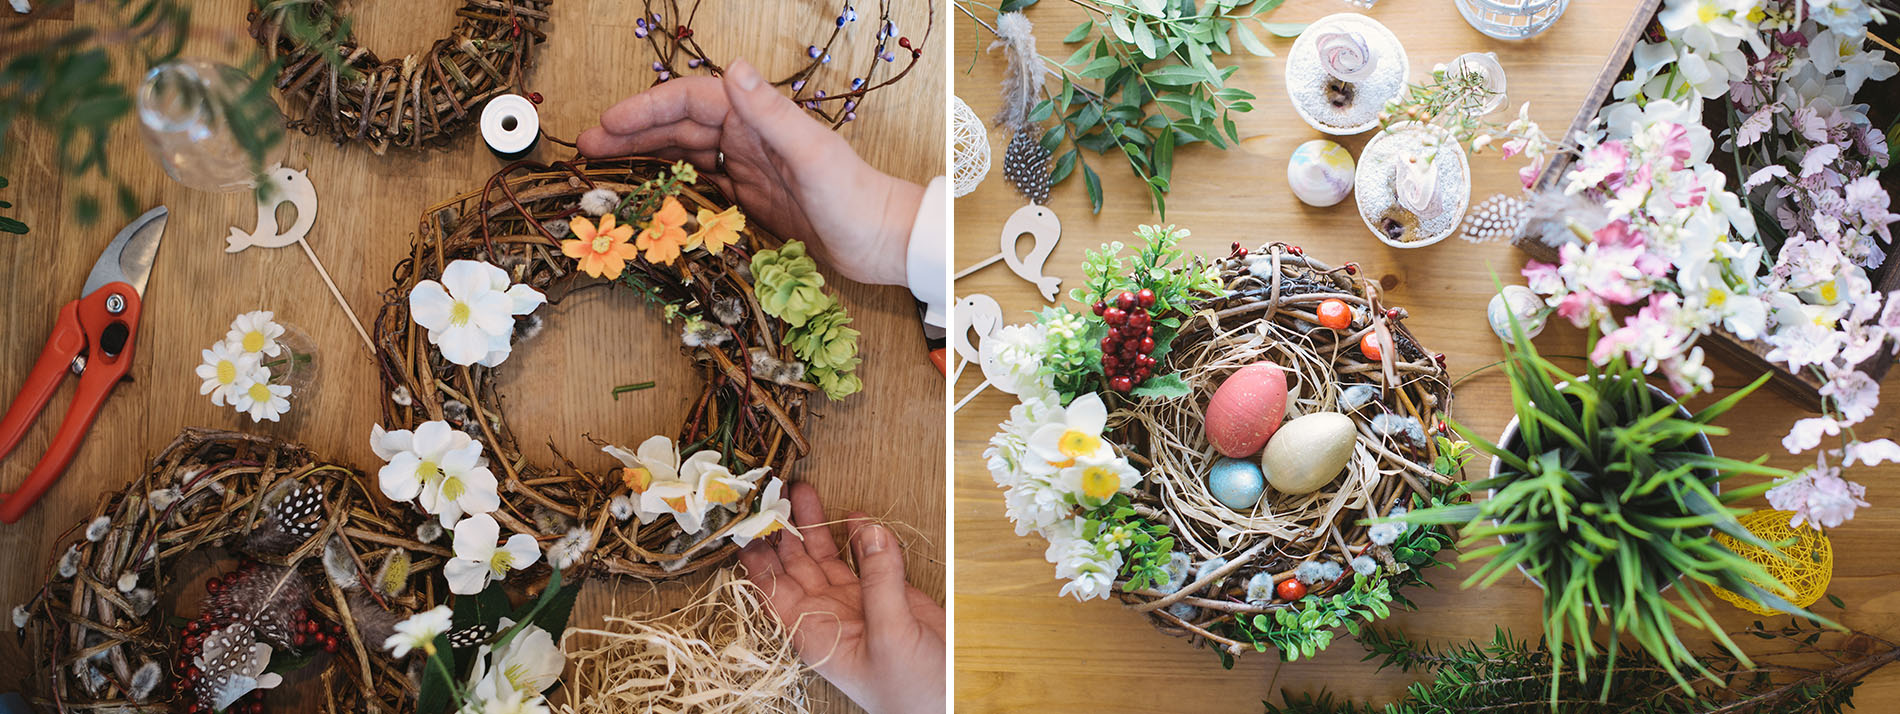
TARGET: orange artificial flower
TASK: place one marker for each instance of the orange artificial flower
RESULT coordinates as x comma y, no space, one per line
717,230
602,250
665,235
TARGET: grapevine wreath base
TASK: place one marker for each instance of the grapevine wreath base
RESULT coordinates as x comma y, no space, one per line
326,571
753,421
1269,312
409,101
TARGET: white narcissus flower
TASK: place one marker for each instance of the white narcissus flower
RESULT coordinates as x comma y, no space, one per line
684,499
715,484
224,365
528,664
438,466
656,462
479,561
253,394
1096,478
1074,432
256,332
471,313
419,631
773,514
509,703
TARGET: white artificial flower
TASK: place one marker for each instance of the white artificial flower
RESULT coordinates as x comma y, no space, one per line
418,632
509,703
479,561
716,485
772,515
438,466
656,463
471,313
684,498
1871,453
1095,478
528,664
1076,431
1012,358
224,365
256,333
255,395
1090,571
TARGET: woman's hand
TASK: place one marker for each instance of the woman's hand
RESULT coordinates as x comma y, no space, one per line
789,172
878,639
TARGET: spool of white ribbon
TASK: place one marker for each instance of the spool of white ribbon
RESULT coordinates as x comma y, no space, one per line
510,126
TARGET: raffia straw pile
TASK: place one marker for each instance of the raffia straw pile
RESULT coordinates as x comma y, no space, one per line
725,652
1269,313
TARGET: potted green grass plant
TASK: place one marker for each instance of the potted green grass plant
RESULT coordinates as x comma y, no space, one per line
1604,491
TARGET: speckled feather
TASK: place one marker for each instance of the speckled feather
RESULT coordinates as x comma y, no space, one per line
1026,165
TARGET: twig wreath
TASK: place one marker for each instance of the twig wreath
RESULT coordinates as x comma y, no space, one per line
350,94
764,338
1111,456
668,28
325,561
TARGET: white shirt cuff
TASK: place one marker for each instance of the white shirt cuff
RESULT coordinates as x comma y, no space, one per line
927,265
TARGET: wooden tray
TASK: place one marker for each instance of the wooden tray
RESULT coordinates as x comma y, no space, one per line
1746,355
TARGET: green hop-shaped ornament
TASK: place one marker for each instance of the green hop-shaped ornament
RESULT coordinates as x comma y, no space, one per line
788,284
837,385
826,341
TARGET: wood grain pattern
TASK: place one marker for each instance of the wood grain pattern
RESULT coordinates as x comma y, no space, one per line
880,452
1021,649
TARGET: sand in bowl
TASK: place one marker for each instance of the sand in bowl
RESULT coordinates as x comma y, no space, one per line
1330,104
1376,186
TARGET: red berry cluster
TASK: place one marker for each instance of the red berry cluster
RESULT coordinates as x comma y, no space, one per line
1126,351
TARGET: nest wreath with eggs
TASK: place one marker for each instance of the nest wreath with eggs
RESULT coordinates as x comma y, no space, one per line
759,372
107,630
411,101
1223,461
1287,571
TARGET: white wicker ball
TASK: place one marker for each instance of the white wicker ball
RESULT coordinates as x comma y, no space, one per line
970,143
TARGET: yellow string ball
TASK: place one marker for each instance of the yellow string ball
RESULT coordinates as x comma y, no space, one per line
1806,569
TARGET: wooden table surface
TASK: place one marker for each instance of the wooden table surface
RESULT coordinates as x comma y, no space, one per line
1020,648
881,451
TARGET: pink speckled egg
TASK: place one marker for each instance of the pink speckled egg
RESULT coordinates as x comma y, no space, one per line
1247,409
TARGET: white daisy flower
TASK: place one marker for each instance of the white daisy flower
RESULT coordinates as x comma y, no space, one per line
479,561
256,332
419,631
256,396
224,364
471,313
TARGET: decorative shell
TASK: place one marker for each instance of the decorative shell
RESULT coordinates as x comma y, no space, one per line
1525,303
1346,56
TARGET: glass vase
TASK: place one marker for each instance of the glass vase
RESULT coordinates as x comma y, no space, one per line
1511,19
186,114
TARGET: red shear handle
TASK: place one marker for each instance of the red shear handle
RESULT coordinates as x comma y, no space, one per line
66,342
109,356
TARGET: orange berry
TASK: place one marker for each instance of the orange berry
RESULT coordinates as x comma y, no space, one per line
1369,346
1335,314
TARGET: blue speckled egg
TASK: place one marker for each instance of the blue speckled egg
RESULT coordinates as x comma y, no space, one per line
1236,483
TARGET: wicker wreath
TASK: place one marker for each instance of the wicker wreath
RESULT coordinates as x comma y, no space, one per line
411,101
752,421
1269,312
103,627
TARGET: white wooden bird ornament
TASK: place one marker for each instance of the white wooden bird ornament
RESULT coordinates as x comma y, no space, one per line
285,185
1045,229
975,313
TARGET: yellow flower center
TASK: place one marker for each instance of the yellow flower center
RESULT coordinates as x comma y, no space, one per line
602,243
721,493
428,472
254,341
501,562
260,393
1830,291
677,503
459,313
1075,443
1100,483
638,479
1718,297
1756,15
453,488
1707,13
227,372
770,528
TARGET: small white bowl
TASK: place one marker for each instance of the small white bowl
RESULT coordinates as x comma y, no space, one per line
1364,185
1303,47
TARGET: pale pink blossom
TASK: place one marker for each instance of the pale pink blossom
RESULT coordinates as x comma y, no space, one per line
1871,453
1807,433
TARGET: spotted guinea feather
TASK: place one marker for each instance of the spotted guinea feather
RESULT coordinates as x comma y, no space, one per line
1026,166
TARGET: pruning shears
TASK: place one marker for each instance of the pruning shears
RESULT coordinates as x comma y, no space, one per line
93,339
